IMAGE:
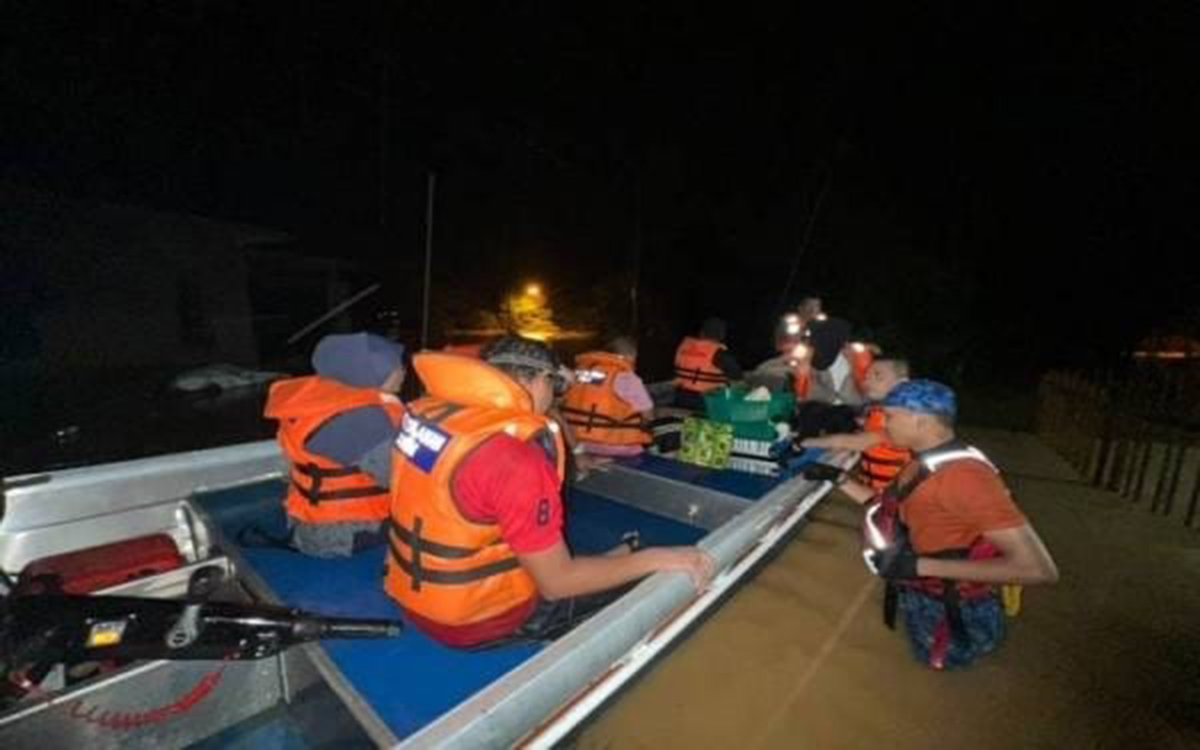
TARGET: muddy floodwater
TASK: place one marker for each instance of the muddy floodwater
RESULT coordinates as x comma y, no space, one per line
799,657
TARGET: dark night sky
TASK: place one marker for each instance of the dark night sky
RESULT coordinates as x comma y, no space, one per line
1007,186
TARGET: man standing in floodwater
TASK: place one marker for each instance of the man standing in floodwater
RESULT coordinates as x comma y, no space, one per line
946,533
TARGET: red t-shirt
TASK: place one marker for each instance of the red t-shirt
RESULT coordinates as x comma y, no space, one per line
512,484
952,508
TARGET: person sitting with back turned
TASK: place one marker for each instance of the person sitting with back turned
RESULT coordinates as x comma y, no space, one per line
608,407
336,430
945,533
477,555
703,363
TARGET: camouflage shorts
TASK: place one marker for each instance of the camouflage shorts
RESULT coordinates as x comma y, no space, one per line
925,623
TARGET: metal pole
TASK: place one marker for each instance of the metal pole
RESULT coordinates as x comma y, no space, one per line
637,258
431,191
383,145
808,229
332,312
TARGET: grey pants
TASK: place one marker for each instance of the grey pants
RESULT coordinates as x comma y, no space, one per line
336,539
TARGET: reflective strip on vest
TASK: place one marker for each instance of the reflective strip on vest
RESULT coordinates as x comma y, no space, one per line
590,377
876,537
935,461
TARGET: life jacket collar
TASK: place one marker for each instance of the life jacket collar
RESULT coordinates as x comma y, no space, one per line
470,382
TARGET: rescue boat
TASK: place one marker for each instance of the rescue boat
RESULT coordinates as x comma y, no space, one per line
175,519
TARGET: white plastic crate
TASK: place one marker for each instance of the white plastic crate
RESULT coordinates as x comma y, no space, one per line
750,465
747,447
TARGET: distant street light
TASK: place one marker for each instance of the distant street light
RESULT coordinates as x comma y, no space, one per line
533,289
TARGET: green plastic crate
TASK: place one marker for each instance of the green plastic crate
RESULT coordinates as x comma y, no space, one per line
753,420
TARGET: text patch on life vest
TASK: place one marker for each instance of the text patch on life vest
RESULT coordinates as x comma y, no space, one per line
420,442
589,377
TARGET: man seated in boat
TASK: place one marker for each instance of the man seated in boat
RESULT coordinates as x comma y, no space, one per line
791,368
703,363
881,460
782,371
861,355
792,327
831,373
946,534
607,407
476,549
810,308
336,429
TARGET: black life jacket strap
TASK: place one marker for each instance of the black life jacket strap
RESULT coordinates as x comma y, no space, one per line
437,549
419,546
315,495
891,595
314,471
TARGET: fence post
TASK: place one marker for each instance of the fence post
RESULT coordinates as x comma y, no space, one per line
1110,431
1176,470
1120,449
1195,499
1146,432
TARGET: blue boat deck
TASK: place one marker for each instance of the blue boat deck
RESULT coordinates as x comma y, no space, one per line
412,680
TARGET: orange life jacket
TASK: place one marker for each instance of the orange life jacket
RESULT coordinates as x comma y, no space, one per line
694,367
592,407
441,565
323,490
861,359
467,350
801,383
882,462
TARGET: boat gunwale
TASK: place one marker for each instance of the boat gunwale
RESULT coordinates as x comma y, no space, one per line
526,702
500,713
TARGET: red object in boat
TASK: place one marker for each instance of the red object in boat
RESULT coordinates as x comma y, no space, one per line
87,570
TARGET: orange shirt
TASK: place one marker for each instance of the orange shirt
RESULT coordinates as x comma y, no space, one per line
954,506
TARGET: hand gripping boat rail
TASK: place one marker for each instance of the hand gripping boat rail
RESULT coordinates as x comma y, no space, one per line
527,707
534,698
